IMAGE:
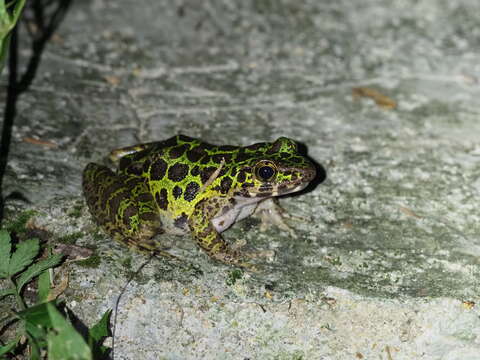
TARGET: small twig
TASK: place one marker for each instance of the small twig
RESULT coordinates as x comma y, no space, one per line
117,302
212,177
389,354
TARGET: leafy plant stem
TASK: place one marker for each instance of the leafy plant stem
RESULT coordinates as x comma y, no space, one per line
20,302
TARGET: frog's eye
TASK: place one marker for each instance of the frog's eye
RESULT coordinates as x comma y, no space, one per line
265,170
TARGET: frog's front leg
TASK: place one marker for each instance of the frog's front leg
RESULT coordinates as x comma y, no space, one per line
272,214
206,235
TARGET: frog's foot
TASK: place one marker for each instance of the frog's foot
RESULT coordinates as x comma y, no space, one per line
235,258
272,214
153,248
263,254
145,245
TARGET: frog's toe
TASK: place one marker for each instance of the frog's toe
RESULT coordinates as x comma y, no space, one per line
272,214
228,257
269,255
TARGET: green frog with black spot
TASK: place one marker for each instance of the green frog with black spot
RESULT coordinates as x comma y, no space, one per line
185,185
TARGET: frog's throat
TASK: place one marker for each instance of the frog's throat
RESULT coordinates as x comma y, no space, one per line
276,190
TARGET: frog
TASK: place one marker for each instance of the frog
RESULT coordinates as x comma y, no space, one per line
185,185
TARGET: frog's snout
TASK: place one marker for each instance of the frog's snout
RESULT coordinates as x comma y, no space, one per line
309,174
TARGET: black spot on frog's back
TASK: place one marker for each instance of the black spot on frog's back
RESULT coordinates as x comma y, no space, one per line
195,154
206,173
134,169
177,192
158,169
195,170
225,185
191,191
254,147
177,172
274,148
176,140
226,157
178,151
227,148
242,156
162,199
241,176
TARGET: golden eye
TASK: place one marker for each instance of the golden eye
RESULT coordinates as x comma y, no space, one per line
265,170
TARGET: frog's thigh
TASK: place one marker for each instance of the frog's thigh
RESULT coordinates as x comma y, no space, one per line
97,180
123,206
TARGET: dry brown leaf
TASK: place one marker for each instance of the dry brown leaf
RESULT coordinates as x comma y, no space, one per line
34,141
73,252
469,305
112,79
409,212
380,99
59,289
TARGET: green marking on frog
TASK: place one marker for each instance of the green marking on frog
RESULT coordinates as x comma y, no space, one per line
185,185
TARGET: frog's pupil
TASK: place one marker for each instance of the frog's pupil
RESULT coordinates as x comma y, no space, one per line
266,172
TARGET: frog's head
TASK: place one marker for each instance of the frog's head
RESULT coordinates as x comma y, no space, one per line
273,169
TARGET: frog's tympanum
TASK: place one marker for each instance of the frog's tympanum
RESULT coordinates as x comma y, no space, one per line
185,185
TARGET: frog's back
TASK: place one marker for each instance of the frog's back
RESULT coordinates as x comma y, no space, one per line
130,158
180,169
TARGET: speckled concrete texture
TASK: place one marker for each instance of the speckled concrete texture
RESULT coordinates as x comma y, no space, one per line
384,94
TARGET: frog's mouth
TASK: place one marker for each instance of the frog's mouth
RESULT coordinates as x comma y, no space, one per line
298,180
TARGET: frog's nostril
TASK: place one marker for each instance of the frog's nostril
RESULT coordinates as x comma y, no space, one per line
309,174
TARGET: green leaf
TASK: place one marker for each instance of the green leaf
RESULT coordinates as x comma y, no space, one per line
7,23
37,334
37,315
100,329
5,249
43,286
36,269
4,45
9,347
2,9
36,319
4,16
5,292
7,20
64,342
18,10
36,345
23,256
96,335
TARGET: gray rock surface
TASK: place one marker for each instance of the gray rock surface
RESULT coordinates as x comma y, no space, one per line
385,265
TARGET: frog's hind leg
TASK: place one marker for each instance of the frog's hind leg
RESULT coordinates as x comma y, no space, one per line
123,207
